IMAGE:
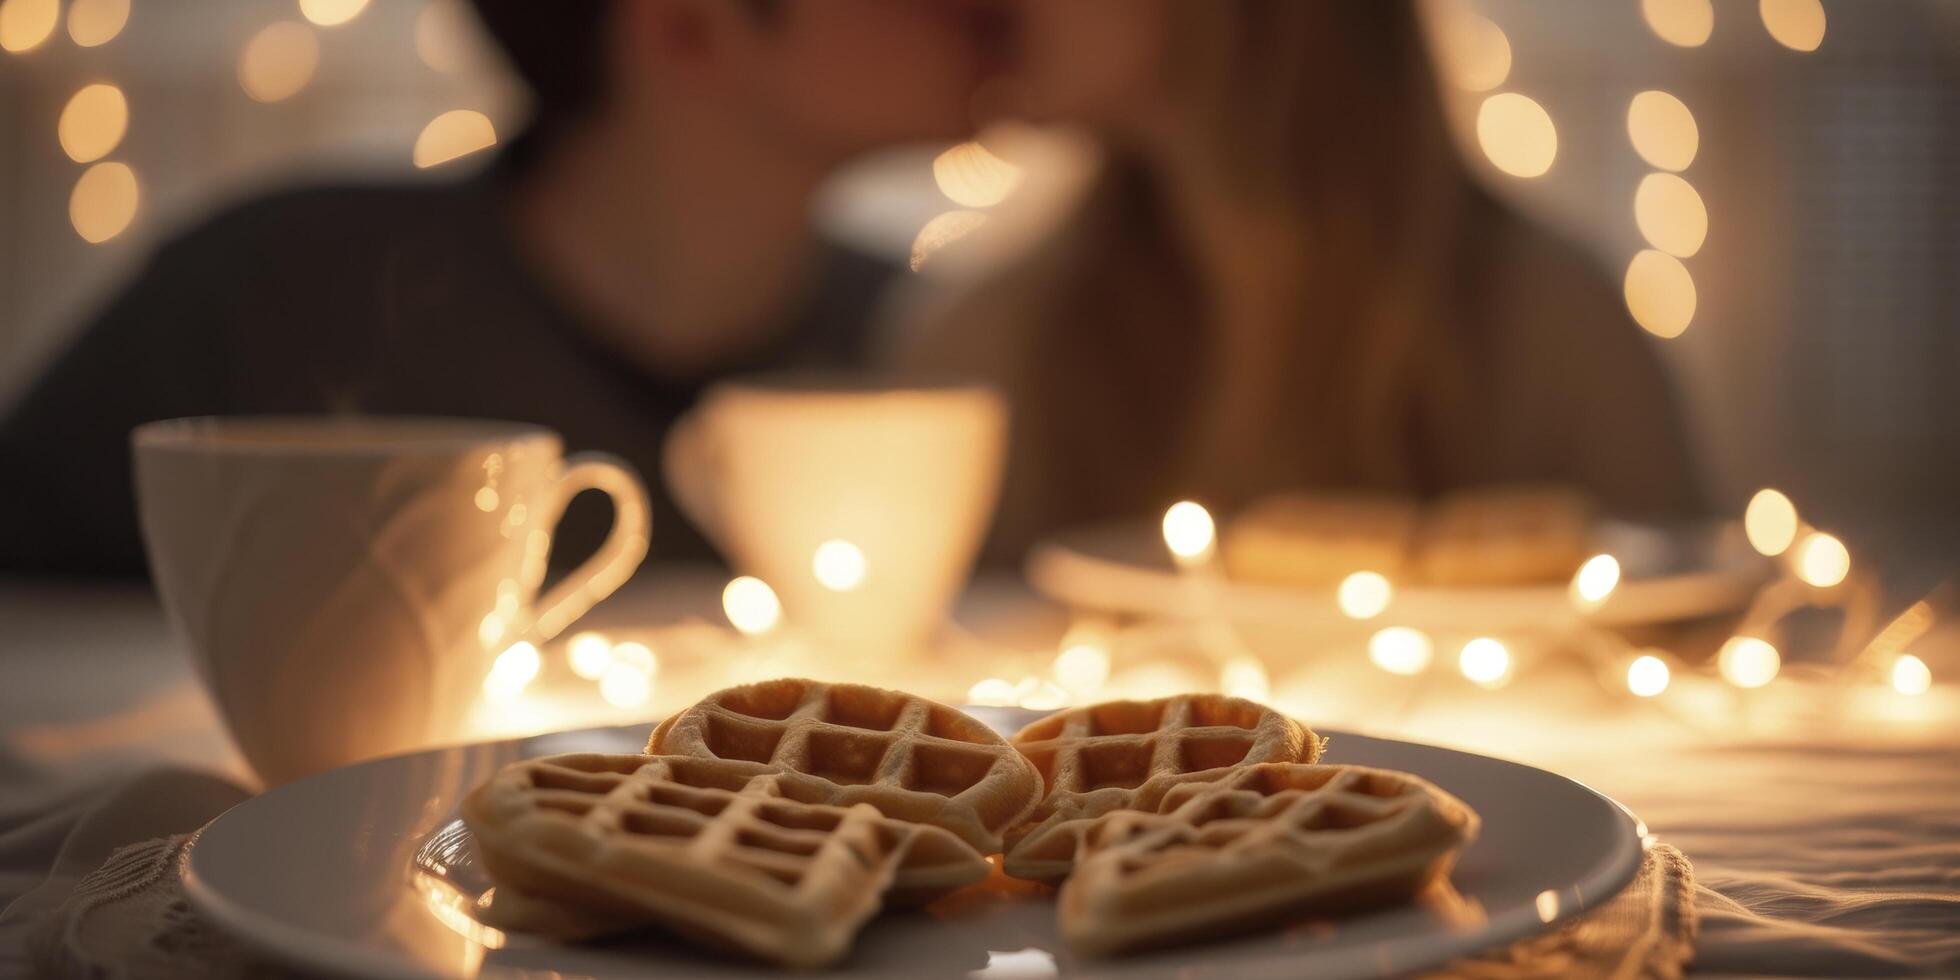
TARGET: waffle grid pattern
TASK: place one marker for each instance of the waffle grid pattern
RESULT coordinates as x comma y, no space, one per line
1125,755
914,759
1259,843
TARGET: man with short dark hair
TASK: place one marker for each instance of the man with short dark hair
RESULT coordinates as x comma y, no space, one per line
649,233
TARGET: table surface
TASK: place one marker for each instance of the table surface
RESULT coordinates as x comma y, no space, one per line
1823,818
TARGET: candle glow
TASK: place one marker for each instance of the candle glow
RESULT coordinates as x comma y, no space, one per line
1485,661
1364,595
1596,579
1188,530
1401,650
1911,676
751,605
838,565
1647,676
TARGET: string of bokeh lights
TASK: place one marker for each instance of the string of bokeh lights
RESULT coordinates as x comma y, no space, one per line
276,64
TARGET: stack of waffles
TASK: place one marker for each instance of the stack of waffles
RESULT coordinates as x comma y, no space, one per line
776,819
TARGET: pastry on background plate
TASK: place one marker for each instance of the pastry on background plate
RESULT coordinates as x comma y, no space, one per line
913,759
1258,846
1317,538
1504,535
716,851
1125,755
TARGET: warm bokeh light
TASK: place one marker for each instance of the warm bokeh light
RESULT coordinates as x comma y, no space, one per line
1660,294
513,670
1245,677
1188,530
442,30
278,61
490,630
1044,696
636,656
1822,560
1663,131
1670,214
1547,903
328,13
1473,53
1770,521
1401,650
1364,595
838,565
624,687
1485,661
1911,676
486,499
1795,24
973,177
104,202
1596,579
24,24
1746,661
456,133
93,122
751,605
1686,23
942,231
1647,675
589,654
991,691
1517,134
1083,664
93,23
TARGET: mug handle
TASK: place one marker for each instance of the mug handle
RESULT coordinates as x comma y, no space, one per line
624,547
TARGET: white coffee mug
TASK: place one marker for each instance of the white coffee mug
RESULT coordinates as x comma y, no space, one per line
862,507
345,583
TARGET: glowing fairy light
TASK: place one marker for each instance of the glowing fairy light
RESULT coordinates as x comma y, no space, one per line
1474,53
1795,24
331,13
1660,293
1663,131
512,671
1364,595
1189,531
973,177
1517,134
1670,214
1596,579
991,691
1748,662
1683,23
1911,676
104,201
278,61
1770,522
1083,664
1401,650
751,605
624,687
1822,560
636,656
1485,661
490,629
1647,675
838,565
93,122
93,23
24,24
456,133
589,654
1245,677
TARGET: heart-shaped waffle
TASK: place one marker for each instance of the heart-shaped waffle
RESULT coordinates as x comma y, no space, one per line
1124,755
1257,846
721,852
911,758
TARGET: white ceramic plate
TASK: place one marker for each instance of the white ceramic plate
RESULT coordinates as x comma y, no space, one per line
366,871
1667,575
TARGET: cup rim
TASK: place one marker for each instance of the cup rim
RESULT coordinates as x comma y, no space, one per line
389,435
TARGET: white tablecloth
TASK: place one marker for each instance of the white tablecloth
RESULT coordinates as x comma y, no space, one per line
1823,821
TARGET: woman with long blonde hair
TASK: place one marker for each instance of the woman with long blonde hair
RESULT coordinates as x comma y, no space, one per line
1283,276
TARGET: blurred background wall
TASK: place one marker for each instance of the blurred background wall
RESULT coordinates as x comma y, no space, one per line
1784,212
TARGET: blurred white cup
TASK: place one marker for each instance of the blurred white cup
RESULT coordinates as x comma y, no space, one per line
862,507
345,583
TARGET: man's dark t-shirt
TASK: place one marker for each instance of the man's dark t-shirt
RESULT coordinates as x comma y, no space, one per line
410,299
